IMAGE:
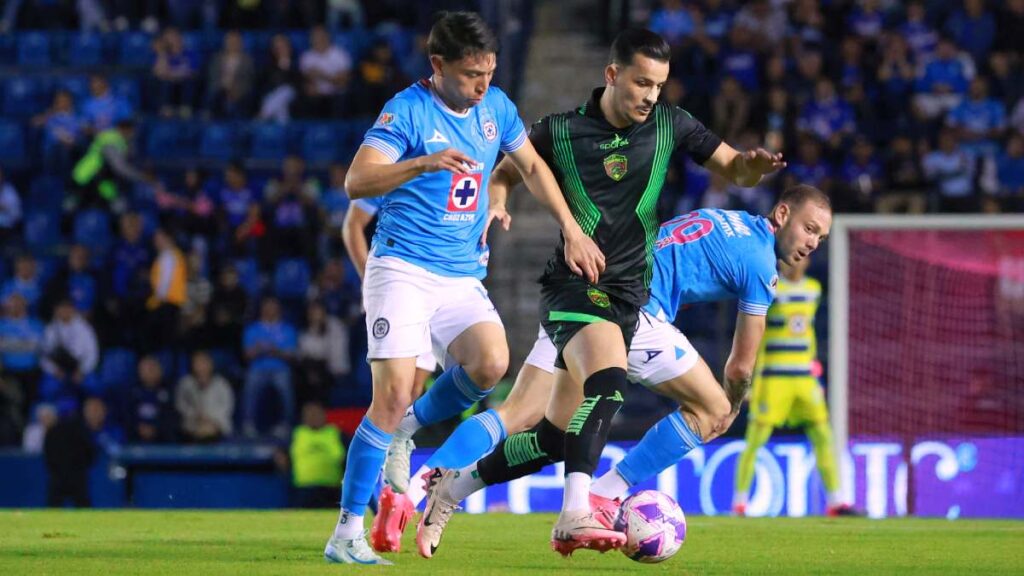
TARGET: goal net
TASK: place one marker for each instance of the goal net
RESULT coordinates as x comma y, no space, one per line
927,334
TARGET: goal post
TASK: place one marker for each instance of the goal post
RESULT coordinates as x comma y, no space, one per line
926,325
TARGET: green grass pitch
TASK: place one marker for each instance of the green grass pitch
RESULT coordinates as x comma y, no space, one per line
153,543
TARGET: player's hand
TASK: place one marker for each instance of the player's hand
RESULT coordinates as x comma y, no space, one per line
500,214
761,161
448,159
583,256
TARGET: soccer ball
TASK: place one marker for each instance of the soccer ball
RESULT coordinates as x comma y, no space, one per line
654,525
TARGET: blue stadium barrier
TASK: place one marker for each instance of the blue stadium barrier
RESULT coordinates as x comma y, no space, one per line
135,50
221,142
33,49
85,50
12,142
23,97
267,142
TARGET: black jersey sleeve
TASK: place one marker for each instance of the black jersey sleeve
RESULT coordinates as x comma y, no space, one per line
540,137
692,136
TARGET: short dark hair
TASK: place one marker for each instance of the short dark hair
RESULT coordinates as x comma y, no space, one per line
633,41
456,35
797,196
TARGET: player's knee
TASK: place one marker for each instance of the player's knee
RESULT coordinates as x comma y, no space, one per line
388,409
718,416
488,369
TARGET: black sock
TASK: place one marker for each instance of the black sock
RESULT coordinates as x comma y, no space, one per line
523,454
587,432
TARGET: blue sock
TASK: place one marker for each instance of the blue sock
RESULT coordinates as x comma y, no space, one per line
451,393
366,455
472,440
662,446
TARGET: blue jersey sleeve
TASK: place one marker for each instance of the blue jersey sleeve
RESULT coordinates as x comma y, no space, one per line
369,205
513,133
394,131
758,290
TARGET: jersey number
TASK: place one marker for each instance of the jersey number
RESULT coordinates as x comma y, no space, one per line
689,228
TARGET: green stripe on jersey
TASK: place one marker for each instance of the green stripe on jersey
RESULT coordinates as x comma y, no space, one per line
582,207
646,209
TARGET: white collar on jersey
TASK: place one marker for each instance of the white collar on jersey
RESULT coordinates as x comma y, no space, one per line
436,95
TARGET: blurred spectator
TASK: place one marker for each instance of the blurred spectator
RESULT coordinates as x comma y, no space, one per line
21,341
26,282
323,353
906,186
281,82
227,311
168,282
316,456
863,177
951,171
851,63
270,345
809,69
205,402
231,78
334,203
807,25
70,357
340,299
827,117
920,35
1017,118
106,436
76,282
809,167
129,281
379,79
62,130
344,13
978,120
35,433
765,21
739,59
895,76
175,71
239,207
198,291
779,123
69,453
100,173
292,216
867,19
973,28
189,214
944,82
12,403
10,211
1006,80
103,109
731,110
326,71
1010,172
674,22
151,413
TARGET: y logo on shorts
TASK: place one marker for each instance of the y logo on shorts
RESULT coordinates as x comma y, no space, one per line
381,327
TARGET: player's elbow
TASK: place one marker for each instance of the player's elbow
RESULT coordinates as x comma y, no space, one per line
356,186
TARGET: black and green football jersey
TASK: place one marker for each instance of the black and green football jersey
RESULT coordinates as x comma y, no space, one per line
612,178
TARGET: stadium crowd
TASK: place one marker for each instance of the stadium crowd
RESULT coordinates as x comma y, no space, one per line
170,220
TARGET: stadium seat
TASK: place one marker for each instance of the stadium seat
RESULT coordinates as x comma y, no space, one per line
249,277
42,231
320,144
33,49
171,140
136,50
78,86
12,142
92,228
292,279
268,142
23,97
220,142
47,193
127,88
85,50
300,41
117,369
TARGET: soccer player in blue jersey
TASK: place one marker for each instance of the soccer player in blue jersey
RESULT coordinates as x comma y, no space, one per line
704,256
432,150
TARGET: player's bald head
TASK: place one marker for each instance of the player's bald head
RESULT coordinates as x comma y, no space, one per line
456,35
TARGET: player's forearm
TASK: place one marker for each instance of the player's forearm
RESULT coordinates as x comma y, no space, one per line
542,184
357,248
503,179
366,180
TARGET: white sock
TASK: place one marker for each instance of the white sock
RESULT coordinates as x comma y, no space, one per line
739,499
416,492
610,485
409,424
577,492
466,481
349,525
833,498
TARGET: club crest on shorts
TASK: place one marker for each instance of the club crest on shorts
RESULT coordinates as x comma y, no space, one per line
490,130
615,166
600,299
381,327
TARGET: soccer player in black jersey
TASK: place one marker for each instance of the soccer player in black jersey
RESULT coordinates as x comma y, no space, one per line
610,157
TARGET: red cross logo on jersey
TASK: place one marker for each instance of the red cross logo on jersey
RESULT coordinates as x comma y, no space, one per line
464,192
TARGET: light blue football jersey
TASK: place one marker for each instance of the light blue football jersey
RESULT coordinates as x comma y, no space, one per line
435,220
369,205
710,255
